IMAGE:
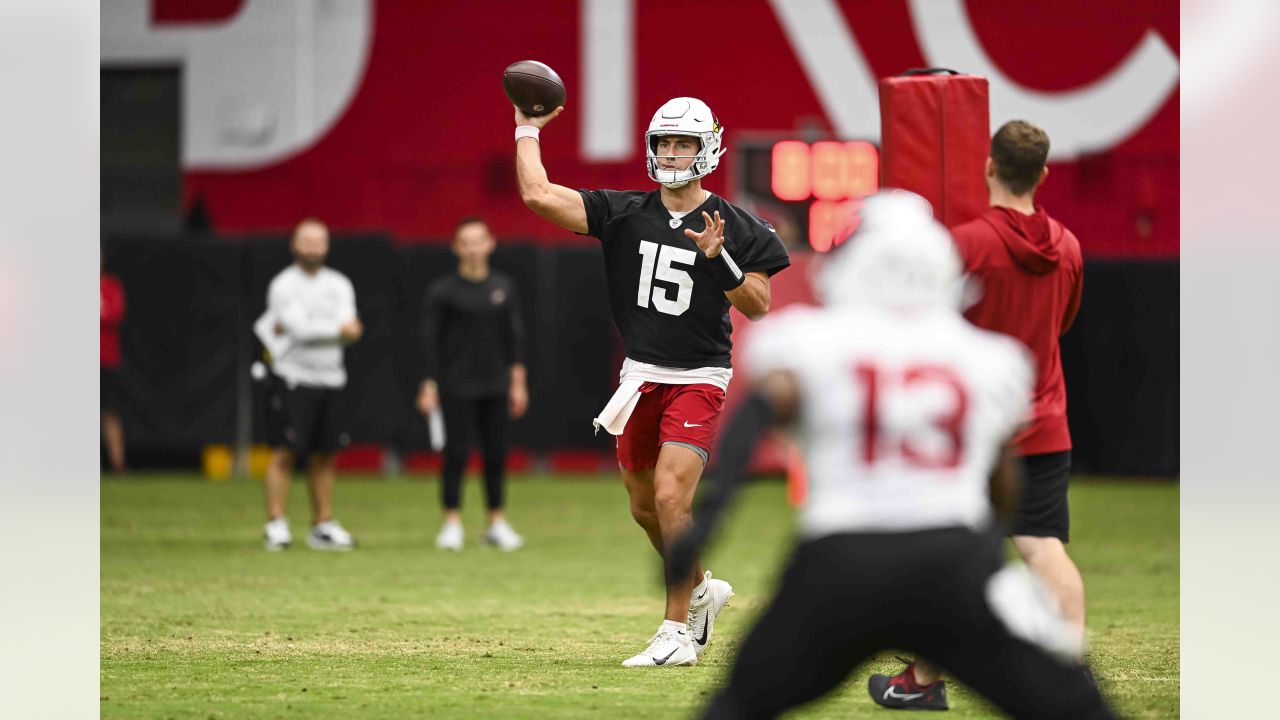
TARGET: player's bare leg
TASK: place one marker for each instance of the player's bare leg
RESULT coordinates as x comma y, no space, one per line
113,434
276,532
639,485
326,533
926,673
277,482
1048,559
320,477
675,479
661,499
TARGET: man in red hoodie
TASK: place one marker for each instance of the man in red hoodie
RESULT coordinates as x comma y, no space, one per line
1031,273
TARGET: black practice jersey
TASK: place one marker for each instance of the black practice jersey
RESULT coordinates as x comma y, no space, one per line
665,301
472,334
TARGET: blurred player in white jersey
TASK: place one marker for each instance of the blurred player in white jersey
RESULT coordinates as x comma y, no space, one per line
905,411
1031,274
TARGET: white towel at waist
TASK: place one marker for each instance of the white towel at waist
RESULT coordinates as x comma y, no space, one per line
613,418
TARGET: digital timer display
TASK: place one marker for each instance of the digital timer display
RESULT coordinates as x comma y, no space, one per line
824,170
815,183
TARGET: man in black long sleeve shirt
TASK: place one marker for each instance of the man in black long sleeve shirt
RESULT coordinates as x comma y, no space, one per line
474,374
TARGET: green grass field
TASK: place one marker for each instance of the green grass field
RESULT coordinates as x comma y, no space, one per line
198,621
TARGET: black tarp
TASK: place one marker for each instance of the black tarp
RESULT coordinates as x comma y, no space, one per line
1120,360
179,340
191,301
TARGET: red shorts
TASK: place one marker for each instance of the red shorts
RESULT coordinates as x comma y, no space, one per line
669,413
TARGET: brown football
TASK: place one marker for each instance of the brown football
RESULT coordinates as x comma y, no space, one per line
533,87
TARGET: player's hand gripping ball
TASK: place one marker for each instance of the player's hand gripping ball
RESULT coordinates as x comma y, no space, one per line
533,87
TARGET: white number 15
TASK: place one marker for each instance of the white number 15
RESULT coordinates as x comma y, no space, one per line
664,260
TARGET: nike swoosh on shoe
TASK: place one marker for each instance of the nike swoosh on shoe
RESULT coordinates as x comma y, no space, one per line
663,661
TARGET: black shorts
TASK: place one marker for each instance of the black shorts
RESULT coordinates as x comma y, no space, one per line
844,598
1044,512
108,389
304,419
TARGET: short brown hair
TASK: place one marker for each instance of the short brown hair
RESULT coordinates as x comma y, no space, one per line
1019,150
471,220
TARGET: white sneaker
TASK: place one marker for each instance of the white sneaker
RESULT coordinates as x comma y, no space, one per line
450,537
704,606
503,537
276,534
330,535
667,648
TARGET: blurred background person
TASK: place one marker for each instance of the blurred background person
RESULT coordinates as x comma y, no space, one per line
907,411
311,311
473,342
110,317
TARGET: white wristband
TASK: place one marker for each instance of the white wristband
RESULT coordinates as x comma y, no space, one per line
527,131
732,265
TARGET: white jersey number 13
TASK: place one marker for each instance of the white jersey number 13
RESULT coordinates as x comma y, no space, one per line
664,259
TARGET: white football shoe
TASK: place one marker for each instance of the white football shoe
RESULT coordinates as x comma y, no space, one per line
330,535
276,534
667,648
704,606
450,537
502,536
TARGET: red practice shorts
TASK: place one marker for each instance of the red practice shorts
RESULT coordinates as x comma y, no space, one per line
669,413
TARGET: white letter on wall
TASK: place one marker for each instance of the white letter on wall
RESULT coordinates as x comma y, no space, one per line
258,88
1088,119
608,80
834,64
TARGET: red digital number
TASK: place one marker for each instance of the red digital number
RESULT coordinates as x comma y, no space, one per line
913,378
791,173
825,170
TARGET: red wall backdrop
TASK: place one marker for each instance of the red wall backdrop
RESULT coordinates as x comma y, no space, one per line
427,137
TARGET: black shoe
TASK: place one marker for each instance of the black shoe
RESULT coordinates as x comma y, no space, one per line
902,692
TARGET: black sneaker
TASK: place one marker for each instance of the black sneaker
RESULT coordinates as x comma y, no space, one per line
902,692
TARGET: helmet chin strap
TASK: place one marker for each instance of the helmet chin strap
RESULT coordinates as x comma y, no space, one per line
674,184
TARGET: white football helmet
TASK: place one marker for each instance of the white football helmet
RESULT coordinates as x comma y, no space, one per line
684,116
898,257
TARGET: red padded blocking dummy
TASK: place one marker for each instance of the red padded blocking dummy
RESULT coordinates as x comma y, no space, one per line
935,136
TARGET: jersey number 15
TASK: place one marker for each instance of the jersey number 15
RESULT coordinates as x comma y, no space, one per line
664,260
